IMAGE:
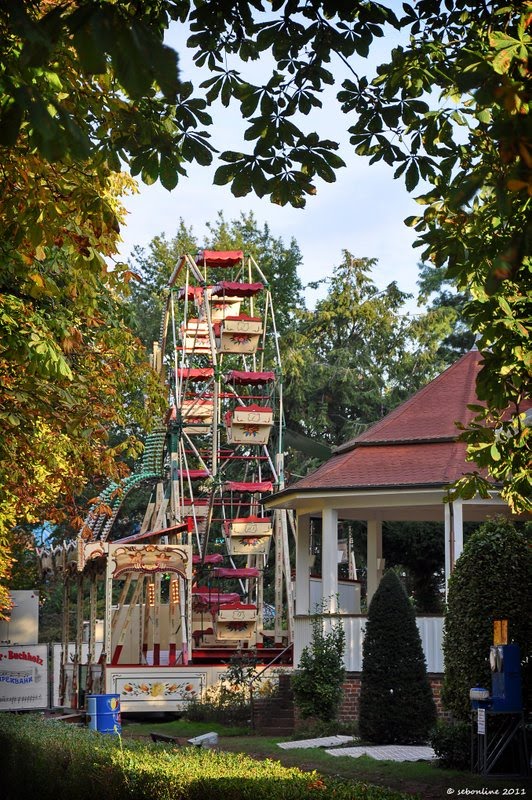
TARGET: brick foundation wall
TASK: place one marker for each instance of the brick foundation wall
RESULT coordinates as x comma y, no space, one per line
349,709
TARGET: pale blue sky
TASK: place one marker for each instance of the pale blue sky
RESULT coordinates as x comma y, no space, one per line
363,211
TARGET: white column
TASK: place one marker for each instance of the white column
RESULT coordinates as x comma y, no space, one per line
329,560
375,563
454,536
303,564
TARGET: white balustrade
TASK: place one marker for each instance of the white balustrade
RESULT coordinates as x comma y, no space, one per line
430,629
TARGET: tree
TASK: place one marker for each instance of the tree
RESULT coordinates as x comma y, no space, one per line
450,107
71,372
491,580
355,356
436,286
396,703
417,548
154,265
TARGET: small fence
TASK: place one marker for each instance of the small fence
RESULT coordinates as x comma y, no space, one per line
430,629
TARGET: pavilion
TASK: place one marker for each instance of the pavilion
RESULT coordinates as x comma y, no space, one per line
399,469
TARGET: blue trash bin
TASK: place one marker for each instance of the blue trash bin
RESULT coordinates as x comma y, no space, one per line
103,713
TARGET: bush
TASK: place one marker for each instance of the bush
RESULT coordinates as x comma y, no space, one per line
228,705
451,742
396,703
491,580
317,684
54,761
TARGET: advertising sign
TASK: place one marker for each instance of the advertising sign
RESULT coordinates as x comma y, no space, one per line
23,677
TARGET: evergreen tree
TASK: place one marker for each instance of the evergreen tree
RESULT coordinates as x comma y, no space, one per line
437,286
396,703
356,356
153,267
491,580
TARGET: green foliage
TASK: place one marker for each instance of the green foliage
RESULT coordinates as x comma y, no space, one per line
396,703
356,356
491,580
61,761
435,285
222,703
451,742
417,548
153,266
450,108
95,81
317,683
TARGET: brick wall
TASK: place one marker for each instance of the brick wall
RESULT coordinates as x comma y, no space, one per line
350,706
349,709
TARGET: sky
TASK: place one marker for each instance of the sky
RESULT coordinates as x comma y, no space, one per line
363,211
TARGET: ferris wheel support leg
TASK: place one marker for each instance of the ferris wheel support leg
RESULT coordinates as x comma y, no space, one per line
186,615
65,636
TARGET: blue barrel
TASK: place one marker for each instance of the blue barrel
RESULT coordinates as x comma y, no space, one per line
103,713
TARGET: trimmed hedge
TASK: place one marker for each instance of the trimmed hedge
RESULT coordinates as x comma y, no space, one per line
451,742
55,761
491,580
396,703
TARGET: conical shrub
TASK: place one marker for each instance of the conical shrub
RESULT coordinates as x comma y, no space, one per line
396,703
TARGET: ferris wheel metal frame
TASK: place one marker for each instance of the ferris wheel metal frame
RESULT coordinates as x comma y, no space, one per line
220,462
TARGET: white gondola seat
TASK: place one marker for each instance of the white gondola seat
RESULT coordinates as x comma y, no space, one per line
248,535
249,424
238,334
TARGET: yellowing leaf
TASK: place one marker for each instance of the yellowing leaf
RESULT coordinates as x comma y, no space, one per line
37,279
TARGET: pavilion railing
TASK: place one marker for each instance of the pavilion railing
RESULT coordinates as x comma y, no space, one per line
430,629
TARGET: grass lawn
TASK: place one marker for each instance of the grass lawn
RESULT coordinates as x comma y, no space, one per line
421,778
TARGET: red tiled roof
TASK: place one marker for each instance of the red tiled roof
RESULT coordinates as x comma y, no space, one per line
414,445
431,413
381,466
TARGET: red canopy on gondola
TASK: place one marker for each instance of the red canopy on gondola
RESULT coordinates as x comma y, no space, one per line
195,373
243,318
236,289
236,572
238,378
212,558
190,292
219,258
193,474
239,486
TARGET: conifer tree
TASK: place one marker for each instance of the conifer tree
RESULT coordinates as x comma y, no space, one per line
396,703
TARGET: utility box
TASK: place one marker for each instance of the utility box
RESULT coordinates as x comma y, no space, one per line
505,663
23,626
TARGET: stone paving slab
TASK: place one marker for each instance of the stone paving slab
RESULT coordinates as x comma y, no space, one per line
324,741
390,752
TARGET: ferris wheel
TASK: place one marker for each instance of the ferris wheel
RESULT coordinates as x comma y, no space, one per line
224,447
188,586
